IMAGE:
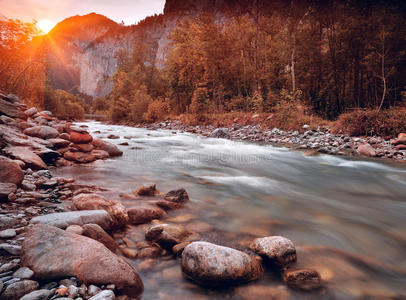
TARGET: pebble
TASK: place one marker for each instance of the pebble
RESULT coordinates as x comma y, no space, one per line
38,295
23,273
104,295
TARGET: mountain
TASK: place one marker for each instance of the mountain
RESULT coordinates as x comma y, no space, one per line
81,49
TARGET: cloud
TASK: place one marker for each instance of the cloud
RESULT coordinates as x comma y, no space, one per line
129,11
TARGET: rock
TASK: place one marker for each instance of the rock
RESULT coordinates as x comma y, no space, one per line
220,133
18,289
10,171
116,210
104,295
38,295
63,220
8,234
11,110
168,235
147,190
113,137
366,150
23,273
31,111
305,279
83,258
401,139
145,214
178,249
31,159
7,222
263,292
79,157
83,147
65,136
93,290
12,249
59,143
167,205
210,264
80,137
400,147
42,132
100,154
75,229
110,148
178,196
47,155
6,189
276,250
97,233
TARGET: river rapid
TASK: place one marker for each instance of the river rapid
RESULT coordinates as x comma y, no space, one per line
347,217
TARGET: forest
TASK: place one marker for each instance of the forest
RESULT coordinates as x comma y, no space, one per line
336,61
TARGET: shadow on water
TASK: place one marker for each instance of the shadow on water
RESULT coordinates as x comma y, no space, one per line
346,216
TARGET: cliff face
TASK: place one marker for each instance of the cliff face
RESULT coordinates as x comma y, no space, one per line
81,50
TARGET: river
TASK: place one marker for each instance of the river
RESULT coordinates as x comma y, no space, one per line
346,216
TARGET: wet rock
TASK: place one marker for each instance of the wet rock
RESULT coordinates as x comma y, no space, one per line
263,292
31,159
10,171
401,139
63,220
147,190
178,196
167,205
144,214
79,157
305,279
42,132
104,295
38,295
210,264
220,133
31,111
6,189
366,150
113,137
178,249
59,143
65,136
168,235
84,258
110,148
97,233
100,154
276,250
18,289
23,273
80,137
116,210
8,234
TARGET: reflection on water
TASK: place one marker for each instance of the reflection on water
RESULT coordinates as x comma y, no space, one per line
347,216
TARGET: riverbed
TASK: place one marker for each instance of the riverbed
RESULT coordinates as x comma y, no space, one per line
346,216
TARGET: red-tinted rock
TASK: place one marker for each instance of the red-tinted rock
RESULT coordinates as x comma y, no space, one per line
79,157
147,190
10,171
53,253
401,139
95,202
43,132
168,235
401,147
97,233
83,147
167,205
100,154
31,159
145,214
59,143
178,196
366,150
80,138
305,279
6,189
276,250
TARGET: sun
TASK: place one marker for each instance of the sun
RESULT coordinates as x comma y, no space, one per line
45,25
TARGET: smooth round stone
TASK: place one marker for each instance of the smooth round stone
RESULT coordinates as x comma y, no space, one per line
8,233
23,273
305,279
276,250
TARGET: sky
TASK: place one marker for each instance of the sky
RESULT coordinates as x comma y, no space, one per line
129,11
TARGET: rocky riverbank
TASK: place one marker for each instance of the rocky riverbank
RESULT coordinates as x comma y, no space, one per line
312,140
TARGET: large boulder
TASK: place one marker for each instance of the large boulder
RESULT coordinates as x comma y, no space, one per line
64,219
276,250
6,189
31,159
144,214
168,235
43,132
80,137
53,253
210,264
221,133
116,210
79,157
10,171
110,148
366,150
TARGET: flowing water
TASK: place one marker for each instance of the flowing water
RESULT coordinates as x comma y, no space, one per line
346,216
